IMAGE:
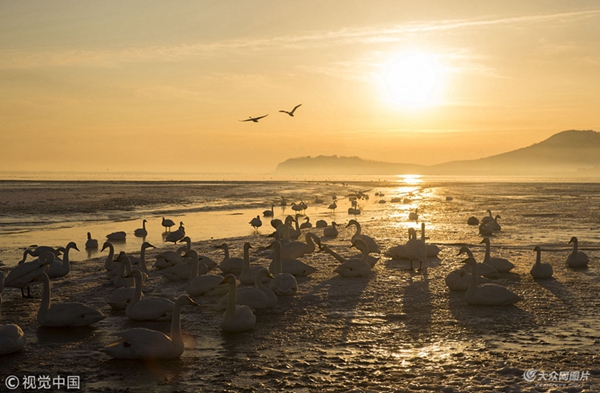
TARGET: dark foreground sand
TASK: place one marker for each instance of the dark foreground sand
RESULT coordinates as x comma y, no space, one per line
393,331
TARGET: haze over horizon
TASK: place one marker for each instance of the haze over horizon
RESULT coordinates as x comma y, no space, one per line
161,86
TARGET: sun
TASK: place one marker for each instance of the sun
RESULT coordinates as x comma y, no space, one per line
411,80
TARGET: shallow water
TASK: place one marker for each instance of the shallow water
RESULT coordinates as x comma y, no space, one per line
392,331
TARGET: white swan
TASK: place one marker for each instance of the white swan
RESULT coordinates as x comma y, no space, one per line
141,264
473,220
237,318
486,229
110,264
291,113
64,314
256,223
307,224
12,338
487,294
539,269
176,235
121,297
116,236
400,251
332,206
141,232
182,271
331,231
62,268
483,269
167,259
432,249
414,216
495,225
416,249
121,279
321,224
373,247
458,280
353,267
500,264
23,274
248,273
167,223
269,213
283,284
230,265
296,249
258,297
39,251
142,343
206,284
147,308
577,258
487,219
91,243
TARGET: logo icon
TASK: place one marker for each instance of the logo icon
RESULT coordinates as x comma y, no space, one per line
529,375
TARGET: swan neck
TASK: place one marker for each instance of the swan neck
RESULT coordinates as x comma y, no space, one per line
246,266
109,258
538,258
143,266
230,311
176,336
137,295
45,305
226,251
487,251
575,246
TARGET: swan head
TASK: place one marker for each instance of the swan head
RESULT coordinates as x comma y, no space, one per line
289,220
352,222
106,245
247,246
470,261
192,254
573,240
47,258
465,249
412,233
122,257
147,245
485,240
89,236
185,239
275,245
262,273
229,279
361,245
223,246
188,300
537,249
72,245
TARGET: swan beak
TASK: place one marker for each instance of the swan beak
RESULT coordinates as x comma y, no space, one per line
483,241
192,303
150,245
76,248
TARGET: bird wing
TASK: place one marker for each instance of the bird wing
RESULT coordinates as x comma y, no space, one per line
296,107
260,117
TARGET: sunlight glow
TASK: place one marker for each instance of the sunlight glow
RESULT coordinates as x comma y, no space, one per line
411,80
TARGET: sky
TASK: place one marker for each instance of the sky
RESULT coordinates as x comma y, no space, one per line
161,86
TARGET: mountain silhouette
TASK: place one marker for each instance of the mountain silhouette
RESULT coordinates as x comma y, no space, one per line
568,152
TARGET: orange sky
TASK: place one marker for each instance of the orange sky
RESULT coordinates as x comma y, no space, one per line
161,86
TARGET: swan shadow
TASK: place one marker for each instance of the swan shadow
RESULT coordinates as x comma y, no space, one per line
487,319
61,335
557,288
419,313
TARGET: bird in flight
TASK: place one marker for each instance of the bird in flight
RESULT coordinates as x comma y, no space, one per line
291,113
255,119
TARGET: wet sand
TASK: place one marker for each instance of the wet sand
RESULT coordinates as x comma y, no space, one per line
395,330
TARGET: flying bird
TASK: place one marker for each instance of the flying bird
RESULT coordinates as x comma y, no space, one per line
291,113
255,119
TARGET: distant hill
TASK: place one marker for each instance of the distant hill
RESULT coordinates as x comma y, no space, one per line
568,152
334,165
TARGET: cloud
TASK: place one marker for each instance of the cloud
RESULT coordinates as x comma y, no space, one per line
55,57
